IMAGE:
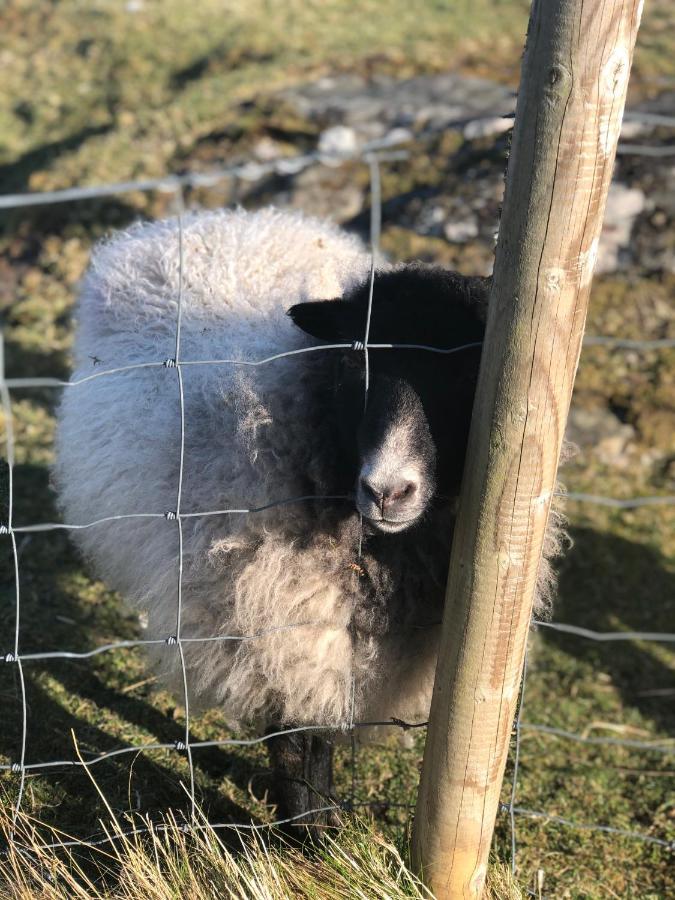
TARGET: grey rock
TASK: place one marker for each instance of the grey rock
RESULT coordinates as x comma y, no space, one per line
266,149
461,231
339,140
631,129
600,433
328,193
373,106
486,127
624,204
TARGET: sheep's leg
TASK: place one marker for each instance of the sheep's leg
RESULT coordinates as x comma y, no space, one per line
303,774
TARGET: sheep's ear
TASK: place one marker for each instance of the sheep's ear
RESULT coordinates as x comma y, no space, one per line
328,320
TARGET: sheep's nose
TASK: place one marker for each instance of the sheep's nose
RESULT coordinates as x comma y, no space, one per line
388,496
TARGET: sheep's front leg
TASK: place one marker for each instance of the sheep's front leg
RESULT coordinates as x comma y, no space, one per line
303,778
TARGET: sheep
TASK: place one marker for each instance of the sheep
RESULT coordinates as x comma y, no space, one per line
330,608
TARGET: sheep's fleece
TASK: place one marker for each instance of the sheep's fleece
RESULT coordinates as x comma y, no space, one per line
252,436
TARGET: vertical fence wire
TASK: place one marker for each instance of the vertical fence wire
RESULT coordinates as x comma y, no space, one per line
375,230
14,656
180,215
516,765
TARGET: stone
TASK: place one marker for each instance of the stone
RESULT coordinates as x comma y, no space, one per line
338,141
326,192
427,103
631,129
486,127
397,136
266,149
624,205
599,432
462,231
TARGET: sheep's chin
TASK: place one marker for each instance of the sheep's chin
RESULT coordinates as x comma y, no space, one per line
387,526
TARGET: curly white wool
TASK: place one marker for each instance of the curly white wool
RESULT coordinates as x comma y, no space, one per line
118,441
250,439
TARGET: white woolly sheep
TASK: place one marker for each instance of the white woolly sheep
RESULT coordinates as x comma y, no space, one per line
364,636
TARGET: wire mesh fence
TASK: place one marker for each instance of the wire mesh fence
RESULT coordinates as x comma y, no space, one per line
22,766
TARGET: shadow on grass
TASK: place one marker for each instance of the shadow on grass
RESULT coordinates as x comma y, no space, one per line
611,584
96,699
15,176
147,782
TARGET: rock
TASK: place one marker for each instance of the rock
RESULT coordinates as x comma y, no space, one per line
327,192
479,128
437,116
398,136
266,149
631,129
599,432
462,231
338,141
430,220
374,106
624,204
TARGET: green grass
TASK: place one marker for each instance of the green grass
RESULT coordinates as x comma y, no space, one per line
92,93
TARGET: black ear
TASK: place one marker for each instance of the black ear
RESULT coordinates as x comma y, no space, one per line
328,320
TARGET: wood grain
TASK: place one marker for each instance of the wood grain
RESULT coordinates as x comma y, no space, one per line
570,104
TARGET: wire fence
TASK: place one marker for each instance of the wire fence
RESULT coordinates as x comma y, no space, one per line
372,155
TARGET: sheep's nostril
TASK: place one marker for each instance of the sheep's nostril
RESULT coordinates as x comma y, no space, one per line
398,493
388,497
371,492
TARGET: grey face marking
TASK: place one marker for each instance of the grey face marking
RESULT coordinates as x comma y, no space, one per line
396,480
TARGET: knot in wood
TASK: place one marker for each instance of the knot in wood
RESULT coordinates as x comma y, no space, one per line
558,78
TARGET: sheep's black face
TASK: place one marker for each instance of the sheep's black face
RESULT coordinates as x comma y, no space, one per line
404,445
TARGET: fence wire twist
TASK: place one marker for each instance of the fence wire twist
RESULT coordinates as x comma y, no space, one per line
372,154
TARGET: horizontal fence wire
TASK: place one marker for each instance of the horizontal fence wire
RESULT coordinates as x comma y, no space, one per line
644,150
160,827
359,346
602,636
591,826
372,153
600,741
38,527
179,745
591,635
387,148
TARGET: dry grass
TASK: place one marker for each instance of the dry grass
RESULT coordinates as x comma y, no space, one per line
171,862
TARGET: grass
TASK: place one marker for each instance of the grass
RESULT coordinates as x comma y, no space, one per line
168,862
108,91
97,92
144,859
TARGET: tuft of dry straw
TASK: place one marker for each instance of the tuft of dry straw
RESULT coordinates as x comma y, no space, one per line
170,861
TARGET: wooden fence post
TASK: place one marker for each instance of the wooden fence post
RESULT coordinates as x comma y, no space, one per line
570,104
